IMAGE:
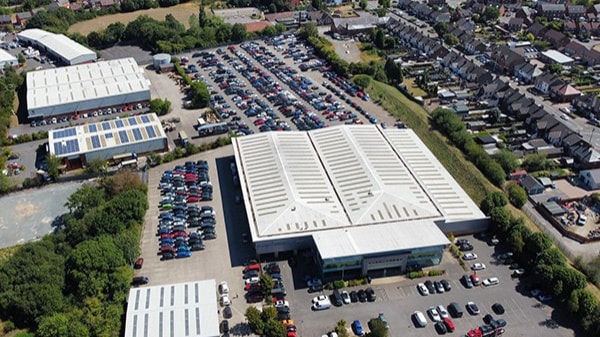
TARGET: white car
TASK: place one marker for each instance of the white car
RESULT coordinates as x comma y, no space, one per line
345,297
225,301
442,311
434,315
319,298
282,304
422,289
469,256
492,281
478,266
565,117
223,288
252,280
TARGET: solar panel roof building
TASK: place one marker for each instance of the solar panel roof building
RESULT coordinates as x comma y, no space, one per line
104,140
173,310
68,51
84,88
353,193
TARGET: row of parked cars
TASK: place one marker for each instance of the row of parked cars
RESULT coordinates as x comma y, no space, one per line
441,317
180,191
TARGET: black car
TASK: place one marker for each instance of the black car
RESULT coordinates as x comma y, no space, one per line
446,285
487,319
466,247
227,312
225,326
362,295
167,256
440,327
272,268
210,236
139,280
197,246
498,308
353,296
371,296
430,287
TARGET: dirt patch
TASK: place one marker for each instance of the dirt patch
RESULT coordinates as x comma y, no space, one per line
181,12
25,209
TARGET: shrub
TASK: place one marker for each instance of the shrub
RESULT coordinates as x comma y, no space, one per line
435,272
339,284
416,274
9,326
517,195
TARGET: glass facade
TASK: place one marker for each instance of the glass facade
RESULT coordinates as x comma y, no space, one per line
424,257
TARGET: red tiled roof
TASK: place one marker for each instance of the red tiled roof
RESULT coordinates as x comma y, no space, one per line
256,26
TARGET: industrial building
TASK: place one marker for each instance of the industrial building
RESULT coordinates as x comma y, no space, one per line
119,84
61,47
173,310
7,60
106,140
363,199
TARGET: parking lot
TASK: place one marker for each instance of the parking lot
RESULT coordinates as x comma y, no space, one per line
398,298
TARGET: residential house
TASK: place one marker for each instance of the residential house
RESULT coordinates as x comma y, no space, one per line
321,18
356,25
564,92
574,49
515,24
544,82
480,76
575,12
404,4
474,47
76,6
532,186
22,17
504,59
527,72
590,179
552,11
107,3
478,8
465,24
586,156
589,104
449,58
491,90
537,30
595,9
439,17
556,38
527,14
591,57
570,26
461,13
5,20
438,3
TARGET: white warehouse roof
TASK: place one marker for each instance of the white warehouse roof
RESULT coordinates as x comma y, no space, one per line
362,189
72,84
87,138
69,50
173,310
557,56
7,58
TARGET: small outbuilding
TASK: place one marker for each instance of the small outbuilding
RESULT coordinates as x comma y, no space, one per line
590,179
532,186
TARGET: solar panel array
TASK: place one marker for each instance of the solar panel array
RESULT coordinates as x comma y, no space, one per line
95,142
137,134
66,147
123,137
64,133
150,131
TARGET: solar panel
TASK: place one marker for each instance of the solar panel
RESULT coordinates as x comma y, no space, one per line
64,133
132,121
106,126
123,137
137,134
151,133
119,123
108,135
70,146
145,119
95,142
93,128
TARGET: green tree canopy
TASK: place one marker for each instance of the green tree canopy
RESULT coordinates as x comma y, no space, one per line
492,200
507,160
517,195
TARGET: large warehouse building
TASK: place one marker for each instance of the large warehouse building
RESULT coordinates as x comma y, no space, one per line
65,50
105,140
7,60
173,310
86,88
365,200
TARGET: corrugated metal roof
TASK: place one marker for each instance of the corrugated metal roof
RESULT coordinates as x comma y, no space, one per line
59,43
173,310
78,83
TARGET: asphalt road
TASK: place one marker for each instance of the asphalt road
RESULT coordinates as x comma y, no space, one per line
29,215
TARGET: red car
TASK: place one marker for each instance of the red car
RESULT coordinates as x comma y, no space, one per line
249,287
180,235
192,199
139,263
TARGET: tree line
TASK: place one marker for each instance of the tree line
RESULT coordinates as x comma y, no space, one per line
546,264
74,282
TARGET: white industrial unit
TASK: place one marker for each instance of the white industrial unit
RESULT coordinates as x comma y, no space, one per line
104,140
7,59
66,50
85,88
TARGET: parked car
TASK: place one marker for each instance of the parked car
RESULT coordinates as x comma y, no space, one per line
472,308
469,256
371,296
434,315
422,289
139,280
498,308
357,328
478,266
138,263
345,297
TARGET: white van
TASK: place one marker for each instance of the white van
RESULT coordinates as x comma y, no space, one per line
419,319
321,305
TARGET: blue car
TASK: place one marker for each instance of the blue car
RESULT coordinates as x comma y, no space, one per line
357,328
183,253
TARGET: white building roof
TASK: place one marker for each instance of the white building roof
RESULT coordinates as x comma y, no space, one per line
557,56
362,189
182,309
103,135
58,43
6,56
56,86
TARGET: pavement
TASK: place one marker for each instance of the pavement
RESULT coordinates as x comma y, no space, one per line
29,215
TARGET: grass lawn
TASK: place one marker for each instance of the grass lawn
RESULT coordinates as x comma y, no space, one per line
413,88
181,12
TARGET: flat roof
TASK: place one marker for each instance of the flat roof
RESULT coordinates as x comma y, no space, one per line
58,43
173,310
359,180
98,136
557,56
72,84
6,56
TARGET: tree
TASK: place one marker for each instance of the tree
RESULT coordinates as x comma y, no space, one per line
255,321
363,81
377,328
340,328
535,162
379,39
238,32
54,165
441,28
317,4
85,199
199,94
61,325
393,71
517,195
266,284
530,37
507,160
159,106
501,221
551,257
309,30
555,68
21,59
537,243
491,13
492,200
95,166
363,4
